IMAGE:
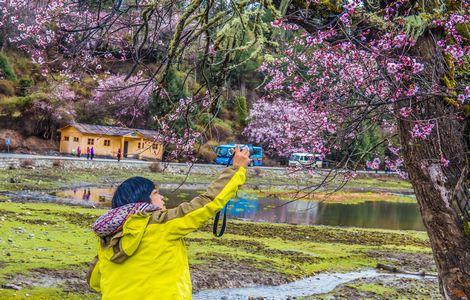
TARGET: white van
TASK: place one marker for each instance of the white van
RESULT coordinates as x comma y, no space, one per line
305,159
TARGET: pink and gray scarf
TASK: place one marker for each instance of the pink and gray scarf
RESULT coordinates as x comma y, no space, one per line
113,221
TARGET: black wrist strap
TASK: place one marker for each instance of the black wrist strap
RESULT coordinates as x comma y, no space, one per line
217,215
216,223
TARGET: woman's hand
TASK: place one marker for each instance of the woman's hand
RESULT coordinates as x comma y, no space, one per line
241,158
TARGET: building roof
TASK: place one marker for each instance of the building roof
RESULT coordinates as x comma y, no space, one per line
111,130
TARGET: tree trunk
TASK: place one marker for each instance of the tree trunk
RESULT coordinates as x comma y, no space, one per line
441,191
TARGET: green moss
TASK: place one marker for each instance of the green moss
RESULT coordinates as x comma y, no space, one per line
415,25
327,7
45,294
377,289
44,236
337,197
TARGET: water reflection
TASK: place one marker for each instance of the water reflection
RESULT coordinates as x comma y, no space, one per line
386,215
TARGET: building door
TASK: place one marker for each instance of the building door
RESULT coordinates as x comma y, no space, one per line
126,145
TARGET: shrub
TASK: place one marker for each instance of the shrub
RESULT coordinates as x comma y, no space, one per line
222,130
27,163
226,114
6,68
24,84
155,167
206,152
207,155
205,118
6,88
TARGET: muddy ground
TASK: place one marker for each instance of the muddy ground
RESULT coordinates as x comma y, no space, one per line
384,287
225,273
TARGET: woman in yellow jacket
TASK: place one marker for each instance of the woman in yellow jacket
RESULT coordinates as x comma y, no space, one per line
141,253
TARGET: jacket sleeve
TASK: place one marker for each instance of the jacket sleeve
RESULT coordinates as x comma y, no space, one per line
189,216
94,275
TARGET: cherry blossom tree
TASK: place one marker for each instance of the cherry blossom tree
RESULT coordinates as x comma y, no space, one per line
125,101
399,64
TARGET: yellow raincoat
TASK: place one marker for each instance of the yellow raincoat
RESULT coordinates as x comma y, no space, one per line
147,259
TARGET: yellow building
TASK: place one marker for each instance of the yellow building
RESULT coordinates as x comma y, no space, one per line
107,140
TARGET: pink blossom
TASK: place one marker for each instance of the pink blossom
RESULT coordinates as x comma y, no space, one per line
277,23
444,161
412,90
375,164
405,112
349,175
421,130
417,67
394,150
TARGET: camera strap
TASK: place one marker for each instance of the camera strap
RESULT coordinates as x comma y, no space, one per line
217,215
216,223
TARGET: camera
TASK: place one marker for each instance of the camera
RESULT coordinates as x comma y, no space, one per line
242,147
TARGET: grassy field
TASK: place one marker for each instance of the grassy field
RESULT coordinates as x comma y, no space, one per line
46,248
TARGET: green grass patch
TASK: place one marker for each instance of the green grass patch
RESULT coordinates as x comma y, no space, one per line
343,197
44,235
376,289
41,293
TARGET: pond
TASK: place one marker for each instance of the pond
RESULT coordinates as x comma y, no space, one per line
375,214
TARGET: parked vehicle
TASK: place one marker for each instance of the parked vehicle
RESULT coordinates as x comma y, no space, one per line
224,153
305,159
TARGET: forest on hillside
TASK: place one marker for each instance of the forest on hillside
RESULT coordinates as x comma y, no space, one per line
42,87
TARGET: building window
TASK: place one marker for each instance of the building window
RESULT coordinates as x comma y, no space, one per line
154,146
107,142
91,141
66,138
138,146
75,139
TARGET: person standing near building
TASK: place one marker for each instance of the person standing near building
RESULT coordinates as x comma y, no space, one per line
87,153
79,151
92,153
119,155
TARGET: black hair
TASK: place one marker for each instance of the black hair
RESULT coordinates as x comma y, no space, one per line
132,190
